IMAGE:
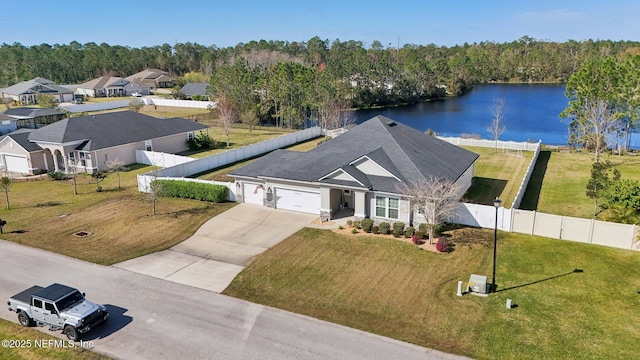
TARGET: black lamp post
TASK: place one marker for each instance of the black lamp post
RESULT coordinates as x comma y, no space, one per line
496,204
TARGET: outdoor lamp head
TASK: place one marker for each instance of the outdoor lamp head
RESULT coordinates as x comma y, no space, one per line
497,202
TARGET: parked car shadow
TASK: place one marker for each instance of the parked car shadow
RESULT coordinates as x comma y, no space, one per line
117,320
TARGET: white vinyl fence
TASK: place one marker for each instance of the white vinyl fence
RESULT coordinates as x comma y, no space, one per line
107,105
588,231
502,145
214,161
161,159
178,103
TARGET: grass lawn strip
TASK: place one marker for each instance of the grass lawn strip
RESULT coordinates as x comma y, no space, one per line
24,336
391,288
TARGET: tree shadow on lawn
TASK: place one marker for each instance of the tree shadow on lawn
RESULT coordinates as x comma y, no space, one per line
531,196
574,271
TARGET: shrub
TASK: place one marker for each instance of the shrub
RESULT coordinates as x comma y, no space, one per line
442,245
366,224
384,228
350,222
408,232
424,228
398,229
192,190
416,240
340,227
57,175
202,141
356,224
354,231
419,234
375,229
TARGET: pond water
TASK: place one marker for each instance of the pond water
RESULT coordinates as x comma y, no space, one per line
531,113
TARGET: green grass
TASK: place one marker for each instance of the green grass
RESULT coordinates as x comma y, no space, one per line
565,180
391,288
15,332
496,174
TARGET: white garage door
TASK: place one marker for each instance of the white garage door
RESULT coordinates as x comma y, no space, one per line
298,200
253,193
17,164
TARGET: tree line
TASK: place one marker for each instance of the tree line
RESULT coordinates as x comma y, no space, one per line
289,82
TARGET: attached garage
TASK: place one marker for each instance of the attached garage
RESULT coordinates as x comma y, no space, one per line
298,200
253,193
15,163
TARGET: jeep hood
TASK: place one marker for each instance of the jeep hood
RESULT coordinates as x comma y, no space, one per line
81,309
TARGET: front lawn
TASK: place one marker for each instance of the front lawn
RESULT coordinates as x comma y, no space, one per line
391,288
46,214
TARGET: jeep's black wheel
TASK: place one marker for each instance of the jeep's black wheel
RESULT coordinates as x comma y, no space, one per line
24,319
72,333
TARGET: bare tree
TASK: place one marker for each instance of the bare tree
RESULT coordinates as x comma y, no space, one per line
72,168
433,198
598,120
497,127
153,193
228,115
117,167
6,183
334,114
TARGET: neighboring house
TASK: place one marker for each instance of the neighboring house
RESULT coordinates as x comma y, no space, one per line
104,86
7,124
152,78
26,92
191,89
361,170
31,118
90,141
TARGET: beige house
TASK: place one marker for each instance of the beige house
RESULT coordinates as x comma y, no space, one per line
152,78
90,142
26,92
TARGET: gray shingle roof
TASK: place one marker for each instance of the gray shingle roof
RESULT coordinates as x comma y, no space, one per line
21,136
34,86
194,89
407,153
30,112
112,129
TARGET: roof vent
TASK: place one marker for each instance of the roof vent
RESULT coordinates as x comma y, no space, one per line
391,123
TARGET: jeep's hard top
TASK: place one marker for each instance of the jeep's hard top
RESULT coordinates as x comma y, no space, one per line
53,293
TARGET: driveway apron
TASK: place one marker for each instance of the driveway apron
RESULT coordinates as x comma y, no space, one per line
221,247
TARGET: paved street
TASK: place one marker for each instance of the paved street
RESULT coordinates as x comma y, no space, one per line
157,319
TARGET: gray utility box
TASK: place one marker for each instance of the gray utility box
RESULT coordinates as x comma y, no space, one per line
478,284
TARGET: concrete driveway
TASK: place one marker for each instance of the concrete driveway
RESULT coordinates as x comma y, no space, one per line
221,247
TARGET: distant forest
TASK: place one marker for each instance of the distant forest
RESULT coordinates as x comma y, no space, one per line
299,75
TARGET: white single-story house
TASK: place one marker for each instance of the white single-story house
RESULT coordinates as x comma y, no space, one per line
26,92
361,170
110,86
91,141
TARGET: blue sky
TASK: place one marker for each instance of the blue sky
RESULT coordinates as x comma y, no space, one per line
227,22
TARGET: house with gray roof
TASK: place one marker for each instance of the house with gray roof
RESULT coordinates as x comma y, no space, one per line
90,141
191,89
29,118
361,171
26,92
152,78
110,86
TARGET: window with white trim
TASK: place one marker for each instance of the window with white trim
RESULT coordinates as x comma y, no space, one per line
83,159
387,207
